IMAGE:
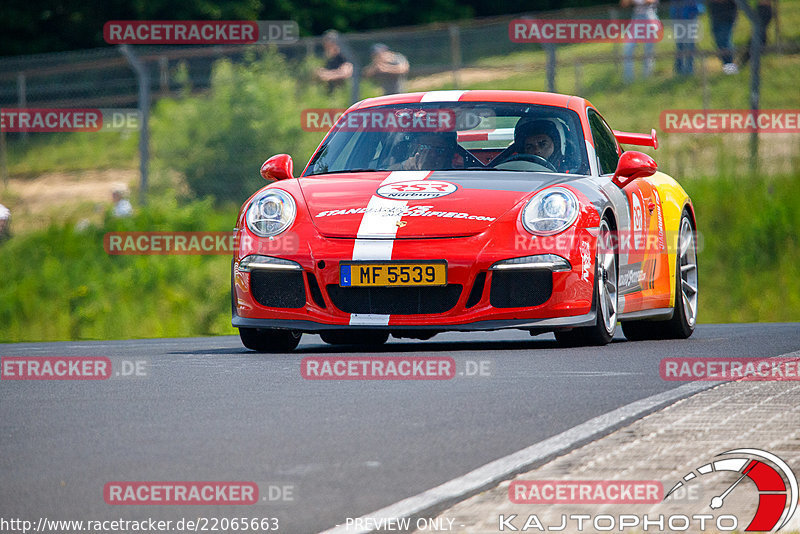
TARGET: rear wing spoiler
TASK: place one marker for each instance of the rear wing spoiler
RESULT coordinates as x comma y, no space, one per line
627,138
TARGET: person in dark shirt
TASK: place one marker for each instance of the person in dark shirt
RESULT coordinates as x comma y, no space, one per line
723,16
338,68
388,68
765,17
680,11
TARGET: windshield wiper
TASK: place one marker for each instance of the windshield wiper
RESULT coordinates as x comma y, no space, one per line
343,171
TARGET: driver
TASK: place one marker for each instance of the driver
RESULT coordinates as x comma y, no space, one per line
428,152
540,138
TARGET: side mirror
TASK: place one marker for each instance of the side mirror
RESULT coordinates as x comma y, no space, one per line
633,165
278,167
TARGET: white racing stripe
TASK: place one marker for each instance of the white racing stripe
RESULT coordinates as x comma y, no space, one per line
376,233
442,96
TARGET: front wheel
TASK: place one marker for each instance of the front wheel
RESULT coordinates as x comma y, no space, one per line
605,297
270,339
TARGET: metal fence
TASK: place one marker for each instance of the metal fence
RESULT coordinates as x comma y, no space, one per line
103,78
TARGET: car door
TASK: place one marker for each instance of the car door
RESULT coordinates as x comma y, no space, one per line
641,234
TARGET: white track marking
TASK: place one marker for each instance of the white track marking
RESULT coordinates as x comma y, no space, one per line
376,233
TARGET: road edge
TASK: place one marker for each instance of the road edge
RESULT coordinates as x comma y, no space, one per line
439,498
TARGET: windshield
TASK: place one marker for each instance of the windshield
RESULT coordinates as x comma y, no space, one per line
453,136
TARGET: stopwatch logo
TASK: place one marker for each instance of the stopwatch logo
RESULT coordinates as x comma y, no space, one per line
769,473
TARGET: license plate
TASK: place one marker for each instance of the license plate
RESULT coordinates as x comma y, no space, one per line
393,274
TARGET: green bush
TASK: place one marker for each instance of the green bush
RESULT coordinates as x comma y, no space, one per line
60,283
253,111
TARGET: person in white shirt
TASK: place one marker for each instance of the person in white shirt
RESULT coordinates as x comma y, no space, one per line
5,219
122,206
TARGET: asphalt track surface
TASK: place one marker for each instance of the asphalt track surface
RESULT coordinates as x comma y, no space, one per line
209,410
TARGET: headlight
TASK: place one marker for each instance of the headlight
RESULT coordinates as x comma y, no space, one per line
271,213
550,211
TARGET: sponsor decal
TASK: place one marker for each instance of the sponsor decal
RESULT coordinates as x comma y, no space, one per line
660,219
585,31
405,211
633,277
586,260
745,369
200,31
416,190
637,213
730,121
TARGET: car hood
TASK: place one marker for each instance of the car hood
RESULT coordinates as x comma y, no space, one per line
411,204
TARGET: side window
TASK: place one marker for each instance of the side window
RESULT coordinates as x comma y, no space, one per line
605,144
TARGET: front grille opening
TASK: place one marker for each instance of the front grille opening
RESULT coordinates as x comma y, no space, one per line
520,289
477,290
278,289
316,293
395,300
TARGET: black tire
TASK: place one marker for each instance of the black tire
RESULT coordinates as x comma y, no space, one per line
354,337
678,326
597,334
269,339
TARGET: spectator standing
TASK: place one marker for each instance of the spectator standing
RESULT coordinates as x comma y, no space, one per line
764,13
642,10
388,68
5,220
338,67
122,206
685,11
723,16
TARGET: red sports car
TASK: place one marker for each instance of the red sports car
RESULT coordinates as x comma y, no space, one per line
466,210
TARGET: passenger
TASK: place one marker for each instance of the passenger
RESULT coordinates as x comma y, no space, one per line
428,152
